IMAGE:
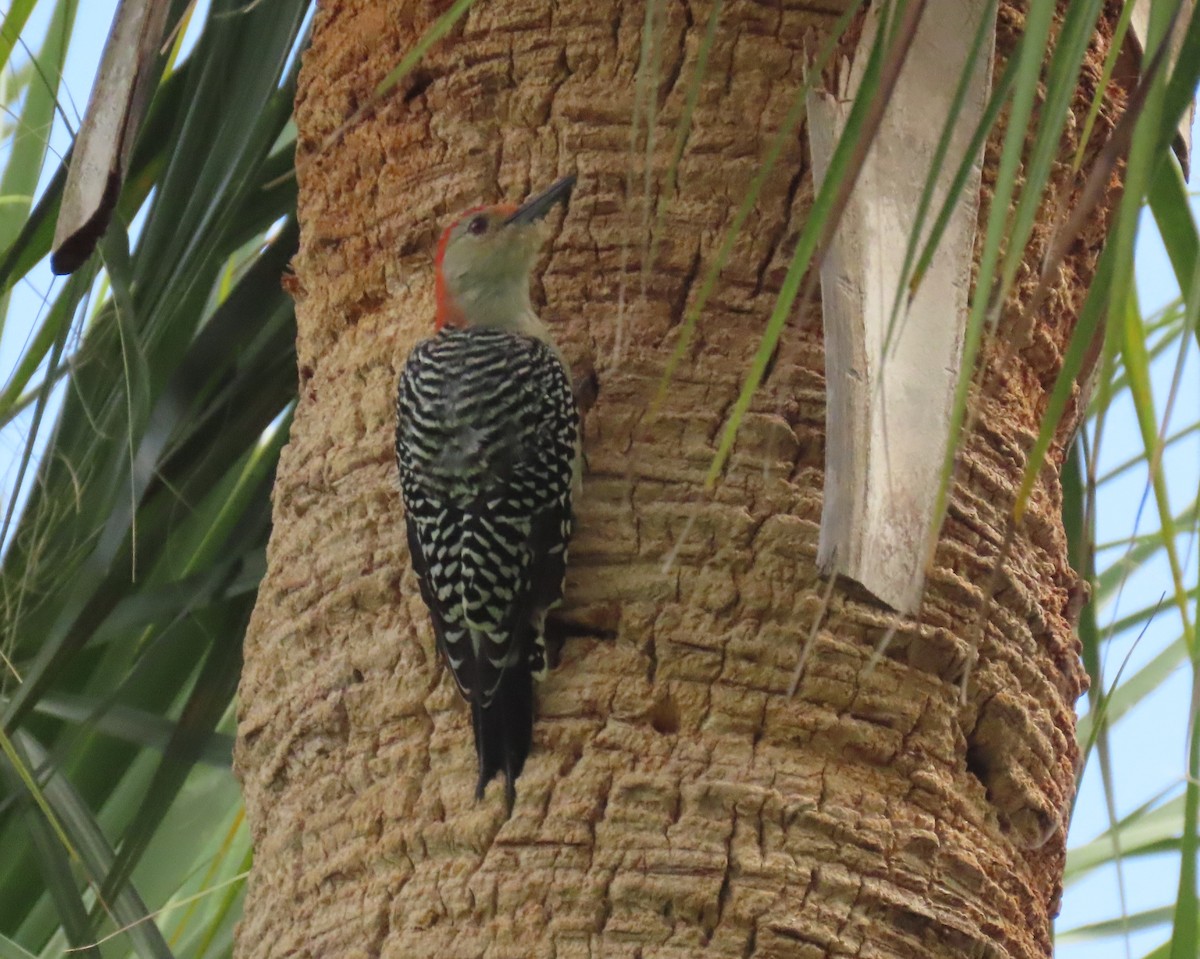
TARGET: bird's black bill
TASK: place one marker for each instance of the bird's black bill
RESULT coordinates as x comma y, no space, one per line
538,206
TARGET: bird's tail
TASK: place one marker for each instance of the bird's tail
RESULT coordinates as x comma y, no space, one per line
504,730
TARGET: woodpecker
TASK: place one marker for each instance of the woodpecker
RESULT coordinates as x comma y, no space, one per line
487,441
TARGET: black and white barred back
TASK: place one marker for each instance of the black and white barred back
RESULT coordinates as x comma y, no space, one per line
486,443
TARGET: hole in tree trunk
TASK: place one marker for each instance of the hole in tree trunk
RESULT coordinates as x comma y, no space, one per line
664,716
977,764
420,83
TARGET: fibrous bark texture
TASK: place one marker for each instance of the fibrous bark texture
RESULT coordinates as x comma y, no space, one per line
676,798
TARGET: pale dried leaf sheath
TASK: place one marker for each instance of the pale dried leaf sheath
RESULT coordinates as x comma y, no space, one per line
1139,29
105,140
888,415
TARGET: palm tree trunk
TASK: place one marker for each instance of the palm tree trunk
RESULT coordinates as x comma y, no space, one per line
676,797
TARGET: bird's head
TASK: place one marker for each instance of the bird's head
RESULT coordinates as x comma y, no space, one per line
483,263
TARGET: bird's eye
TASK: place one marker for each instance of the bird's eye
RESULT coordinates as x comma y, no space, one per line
478,226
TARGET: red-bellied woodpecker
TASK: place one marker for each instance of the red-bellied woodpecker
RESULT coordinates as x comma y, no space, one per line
487,441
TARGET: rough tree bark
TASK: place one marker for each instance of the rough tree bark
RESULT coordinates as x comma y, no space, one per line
676,797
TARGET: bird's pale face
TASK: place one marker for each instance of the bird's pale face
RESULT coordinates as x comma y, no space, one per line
484,266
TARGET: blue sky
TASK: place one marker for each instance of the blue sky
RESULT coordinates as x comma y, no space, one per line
1148,745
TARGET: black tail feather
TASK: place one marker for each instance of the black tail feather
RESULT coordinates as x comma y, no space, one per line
504,730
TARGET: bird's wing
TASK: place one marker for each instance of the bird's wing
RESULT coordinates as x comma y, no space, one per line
487,486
